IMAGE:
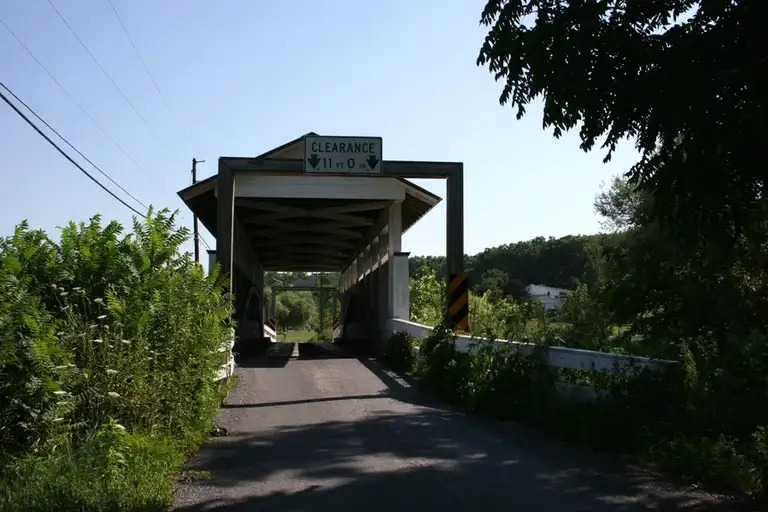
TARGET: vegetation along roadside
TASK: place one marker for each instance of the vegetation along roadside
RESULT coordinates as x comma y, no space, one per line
109,343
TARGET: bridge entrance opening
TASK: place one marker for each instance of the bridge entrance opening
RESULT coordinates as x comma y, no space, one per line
305,206
325,302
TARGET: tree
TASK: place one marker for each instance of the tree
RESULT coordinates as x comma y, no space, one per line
676,76
295,309
560,262
493,280
427,297
672,291
620,205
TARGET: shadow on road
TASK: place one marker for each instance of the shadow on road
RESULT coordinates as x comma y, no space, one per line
337,454
322,351
266,405
276,355
462,463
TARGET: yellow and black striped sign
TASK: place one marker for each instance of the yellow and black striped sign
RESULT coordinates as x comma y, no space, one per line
272,323
335,323
458,302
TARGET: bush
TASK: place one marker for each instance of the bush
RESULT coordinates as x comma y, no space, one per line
704,419
398,353
427,297
653,416
103,329
111,469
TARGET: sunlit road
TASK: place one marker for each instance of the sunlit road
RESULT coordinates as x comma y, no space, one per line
320,432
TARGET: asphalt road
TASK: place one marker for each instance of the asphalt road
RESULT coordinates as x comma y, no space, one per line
322,432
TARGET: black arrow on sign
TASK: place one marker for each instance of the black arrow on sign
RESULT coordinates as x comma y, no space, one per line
313,160
372,161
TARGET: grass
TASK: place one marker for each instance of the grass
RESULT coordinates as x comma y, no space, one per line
298,336
113,469
139,477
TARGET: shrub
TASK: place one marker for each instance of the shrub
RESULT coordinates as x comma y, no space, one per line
427,296
102,328
654,416
399,352
493,317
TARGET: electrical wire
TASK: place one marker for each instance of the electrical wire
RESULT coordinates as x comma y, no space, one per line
72,98
70,145
88,115
65,155
104,71
149,73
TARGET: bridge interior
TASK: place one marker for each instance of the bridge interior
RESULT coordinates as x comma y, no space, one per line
267,214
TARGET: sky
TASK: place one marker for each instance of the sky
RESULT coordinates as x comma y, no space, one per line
243,76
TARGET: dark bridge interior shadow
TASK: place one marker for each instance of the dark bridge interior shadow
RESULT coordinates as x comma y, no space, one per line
323,351
277,355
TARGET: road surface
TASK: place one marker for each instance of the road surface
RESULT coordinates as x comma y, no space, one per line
313,431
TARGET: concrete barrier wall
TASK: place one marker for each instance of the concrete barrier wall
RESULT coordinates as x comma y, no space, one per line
556,357
227,369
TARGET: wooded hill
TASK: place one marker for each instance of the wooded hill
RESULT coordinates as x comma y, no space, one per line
559,262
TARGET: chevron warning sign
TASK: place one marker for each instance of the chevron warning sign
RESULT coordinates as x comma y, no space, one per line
335,323
458,302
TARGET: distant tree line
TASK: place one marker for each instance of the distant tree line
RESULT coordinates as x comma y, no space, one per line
560,262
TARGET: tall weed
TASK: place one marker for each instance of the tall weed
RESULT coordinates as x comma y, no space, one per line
101,329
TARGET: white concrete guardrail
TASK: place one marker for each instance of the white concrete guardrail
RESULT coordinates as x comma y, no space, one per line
270,333
556,357
228,368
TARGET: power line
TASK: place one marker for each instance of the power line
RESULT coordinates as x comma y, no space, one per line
70,145
149,73
72,98
65,155
104,71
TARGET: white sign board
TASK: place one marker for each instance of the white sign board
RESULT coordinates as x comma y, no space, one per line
345,155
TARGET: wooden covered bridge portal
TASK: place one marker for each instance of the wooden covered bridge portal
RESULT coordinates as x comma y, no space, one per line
327,204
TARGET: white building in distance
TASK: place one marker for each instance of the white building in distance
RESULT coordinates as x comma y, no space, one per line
551,297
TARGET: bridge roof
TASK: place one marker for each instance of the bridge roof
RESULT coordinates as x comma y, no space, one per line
293,223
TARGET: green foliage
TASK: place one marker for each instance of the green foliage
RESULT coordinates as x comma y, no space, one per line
674,76
440,367
653,416
490,315
301,310
697,304
427,298
588,324
295,310
98,329
107,471
325,335
398,353
559,262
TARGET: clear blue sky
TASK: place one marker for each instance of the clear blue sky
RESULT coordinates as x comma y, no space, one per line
245,76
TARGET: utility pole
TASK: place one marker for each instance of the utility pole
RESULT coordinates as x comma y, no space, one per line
195,229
